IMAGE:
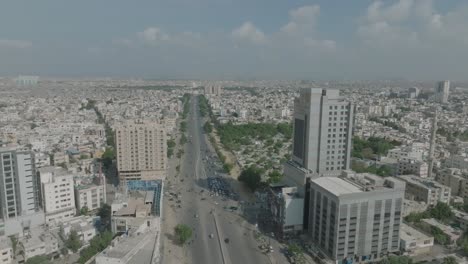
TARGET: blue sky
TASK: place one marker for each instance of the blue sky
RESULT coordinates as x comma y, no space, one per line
230,39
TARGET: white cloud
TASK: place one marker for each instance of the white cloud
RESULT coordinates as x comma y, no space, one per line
302,19
413,24
248,32
153,35
15,44
122,42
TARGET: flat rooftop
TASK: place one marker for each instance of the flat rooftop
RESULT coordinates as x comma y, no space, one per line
423,182
337,186
408,233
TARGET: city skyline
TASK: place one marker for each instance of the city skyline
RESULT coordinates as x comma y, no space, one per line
225,40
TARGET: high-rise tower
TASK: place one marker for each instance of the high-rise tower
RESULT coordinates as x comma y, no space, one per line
442,91
323,123
19,192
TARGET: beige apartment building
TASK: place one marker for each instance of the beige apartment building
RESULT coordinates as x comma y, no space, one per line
456,180
141,150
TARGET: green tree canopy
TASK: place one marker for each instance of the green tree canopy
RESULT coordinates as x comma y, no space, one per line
105,214
449,260
274,176
183,233
252,177
73,242
38,260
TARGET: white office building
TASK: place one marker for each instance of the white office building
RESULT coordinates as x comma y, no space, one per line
442,91
323,124
18,188
356,217
58,197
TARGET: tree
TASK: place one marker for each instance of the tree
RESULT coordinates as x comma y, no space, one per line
274,176
396,260
208,127
84,210
450,260
251,177
73,242
183,233
442,212
96,244
105,214
61,233
14,244
296,253
107,157
38,260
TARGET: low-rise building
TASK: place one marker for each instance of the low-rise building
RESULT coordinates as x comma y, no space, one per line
412,166
286,206
452,233
90,194
425,190
414,242
456,180
6,250
38,241
457,161
83,225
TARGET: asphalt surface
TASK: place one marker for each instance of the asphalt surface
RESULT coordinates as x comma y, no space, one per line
220,236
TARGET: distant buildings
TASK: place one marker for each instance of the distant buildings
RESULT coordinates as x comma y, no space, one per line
24,80
141,151
213,89
356,217
442,91
425,190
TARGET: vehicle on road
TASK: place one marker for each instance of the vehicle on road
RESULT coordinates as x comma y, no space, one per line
226,240
211,235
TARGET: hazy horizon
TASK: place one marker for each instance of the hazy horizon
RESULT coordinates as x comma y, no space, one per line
224,39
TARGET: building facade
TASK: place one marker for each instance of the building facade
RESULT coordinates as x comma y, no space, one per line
58,197
19,185
442,91
90,196
456,180
323,123
141,151
425,190
412,166
356,217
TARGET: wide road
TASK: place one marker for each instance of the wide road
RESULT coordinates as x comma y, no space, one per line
211,223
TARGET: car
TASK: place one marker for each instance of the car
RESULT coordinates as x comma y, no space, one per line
211,235
196,215
226,240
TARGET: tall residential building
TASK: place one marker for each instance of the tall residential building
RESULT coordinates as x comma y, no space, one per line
58,197
356,217
19,192
141,151
442,91
323,124
213,89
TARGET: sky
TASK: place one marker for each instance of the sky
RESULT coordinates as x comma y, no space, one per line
236,39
